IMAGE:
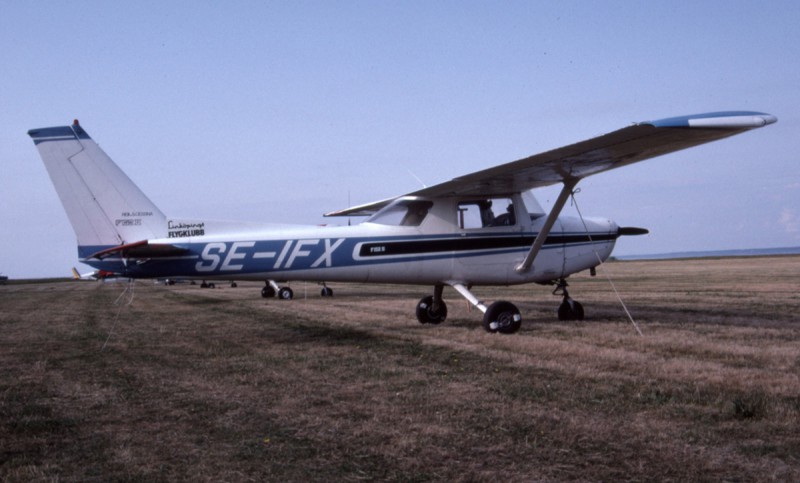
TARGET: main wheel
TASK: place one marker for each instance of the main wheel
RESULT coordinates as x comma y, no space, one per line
267,292
502,317
285,293
570,310
426,313
326,292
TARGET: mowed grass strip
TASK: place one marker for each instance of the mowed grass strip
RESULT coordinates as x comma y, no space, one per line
221,384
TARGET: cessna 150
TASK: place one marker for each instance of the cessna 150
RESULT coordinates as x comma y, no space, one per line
485,228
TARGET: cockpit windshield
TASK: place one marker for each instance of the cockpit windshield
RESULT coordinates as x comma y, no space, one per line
403,212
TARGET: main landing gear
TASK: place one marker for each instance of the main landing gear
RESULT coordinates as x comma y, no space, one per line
271,288
501,316
204,284
569,309
432,309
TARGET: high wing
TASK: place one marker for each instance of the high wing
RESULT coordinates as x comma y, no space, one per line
571,163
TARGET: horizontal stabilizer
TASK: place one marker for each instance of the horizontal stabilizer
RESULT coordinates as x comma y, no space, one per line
141,249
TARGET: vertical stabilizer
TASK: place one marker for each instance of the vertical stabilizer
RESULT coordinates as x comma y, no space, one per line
103,205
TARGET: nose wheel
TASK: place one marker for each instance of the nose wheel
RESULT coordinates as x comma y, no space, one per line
569,308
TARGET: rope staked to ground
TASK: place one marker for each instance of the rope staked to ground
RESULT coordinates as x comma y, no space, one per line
600,261
121,304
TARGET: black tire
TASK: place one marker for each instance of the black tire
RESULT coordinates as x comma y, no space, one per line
233,285
502,317
326,292
285,293
578,310
570,310
426,314
267,292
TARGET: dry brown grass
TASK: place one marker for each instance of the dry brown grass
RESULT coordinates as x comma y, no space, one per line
223,385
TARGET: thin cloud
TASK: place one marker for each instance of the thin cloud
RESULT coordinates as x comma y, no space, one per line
790,222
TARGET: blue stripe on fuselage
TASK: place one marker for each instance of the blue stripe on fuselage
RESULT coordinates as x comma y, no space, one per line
214,259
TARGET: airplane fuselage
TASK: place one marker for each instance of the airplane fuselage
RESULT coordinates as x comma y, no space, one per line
371,252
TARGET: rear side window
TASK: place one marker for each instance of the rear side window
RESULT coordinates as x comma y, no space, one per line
403,213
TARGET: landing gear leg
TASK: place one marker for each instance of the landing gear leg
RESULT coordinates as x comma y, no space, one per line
271,288
501,316
569,309
267,291
432,309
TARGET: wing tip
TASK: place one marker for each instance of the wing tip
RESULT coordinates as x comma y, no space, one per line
718,120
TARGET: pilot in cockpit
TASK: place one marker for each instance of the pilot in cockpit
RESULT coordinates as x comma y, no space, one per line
506,219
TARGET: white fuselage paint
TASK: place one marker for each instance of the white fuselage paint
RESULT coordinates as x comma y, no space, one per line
364,253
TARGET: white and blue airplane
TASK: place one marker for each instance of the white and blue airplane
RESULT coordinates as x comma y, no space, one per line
484,228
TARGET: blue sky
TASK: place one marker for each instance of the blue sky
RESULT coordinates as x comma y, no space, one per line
280,111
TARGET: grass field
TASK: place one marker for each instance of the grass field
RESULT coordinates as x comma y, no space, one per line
187,383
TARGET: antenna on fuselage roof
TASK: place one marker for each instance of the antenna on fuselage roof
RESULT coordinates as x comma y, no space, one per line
417,178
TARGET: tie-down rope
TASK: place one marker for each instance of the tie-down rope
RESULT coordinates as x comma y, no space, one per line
600,261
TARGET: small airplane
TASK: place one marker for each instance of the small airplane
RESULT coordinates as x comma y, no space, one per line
93,275
484,228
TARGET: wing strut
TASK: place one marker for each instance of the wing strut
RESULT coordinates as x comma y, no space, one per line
527,263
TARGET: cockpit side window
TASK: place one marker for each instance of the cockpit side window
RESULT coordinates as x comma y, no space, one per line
490,212
403,213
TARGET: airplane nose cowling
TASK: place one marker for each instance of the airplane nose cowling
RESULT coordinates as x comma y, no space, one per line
588,242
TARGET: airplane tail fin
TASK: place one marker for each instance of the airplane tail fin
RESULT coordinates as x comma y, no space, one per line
103,205
75,274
